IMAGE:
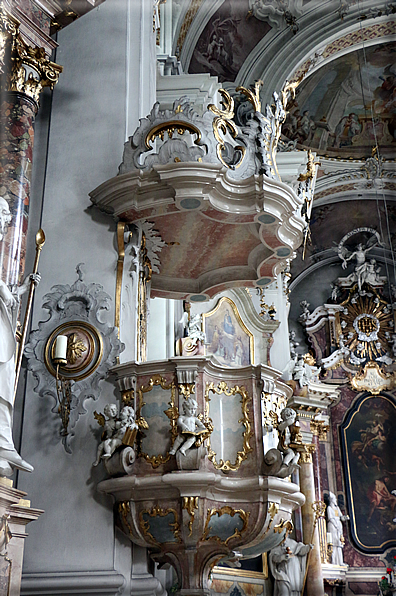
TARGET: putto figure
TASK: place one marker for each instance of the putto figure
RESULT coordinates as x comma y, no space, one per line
114,429
283,461
189,426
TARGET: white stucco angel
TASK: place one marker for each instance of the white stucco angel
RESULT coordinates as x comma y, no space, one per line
282,461
189,426
114,429
363,271
9,306
334,526
287,563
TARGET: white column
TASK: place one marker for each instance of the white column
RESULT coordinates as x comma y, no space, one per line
141,63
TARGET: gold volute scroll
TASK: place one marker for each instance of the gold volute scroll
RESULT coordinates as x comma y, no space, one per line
25,69
221,123
124,509
284,526
253,95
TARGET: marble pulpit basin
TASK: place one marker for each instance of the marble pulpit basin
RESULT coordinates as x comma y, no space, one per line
190,510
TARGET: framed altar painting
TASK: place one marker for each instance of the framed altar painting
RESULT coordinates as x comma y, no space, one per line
227,337
249,578
368,439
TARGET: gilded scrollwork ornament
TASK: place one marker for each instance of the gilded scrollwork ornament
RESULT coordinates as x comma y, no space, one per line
242,454
148,531
190,504
223,123
172,414
241,516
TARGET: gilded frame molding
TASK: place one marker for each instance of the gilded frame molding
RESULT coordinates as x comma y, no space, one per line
154,512
244,573
172,412
243,515
353,411
222,387
95,345
234,309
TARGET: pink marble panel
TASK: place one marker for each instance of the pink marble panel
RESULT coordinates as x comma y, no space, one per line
203,245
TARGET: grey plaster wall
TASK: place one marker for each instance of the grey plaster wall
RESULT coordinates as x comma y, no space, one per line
87,125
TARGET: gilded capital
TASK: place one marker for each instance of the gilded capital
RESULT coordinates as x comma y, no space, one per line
306,452
320,429
25,69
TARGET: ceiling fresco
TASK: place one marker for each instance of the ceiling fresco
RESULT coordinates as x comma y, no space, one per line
348,106
227,40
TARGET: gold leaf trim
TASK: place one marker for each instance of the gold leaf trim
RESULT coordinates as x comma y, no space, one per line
221,123
172,412
222,387
244,516
190,504
170,127
154,512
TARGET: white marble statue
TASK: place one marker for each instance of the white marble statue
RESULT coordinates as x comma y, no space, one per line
189,426
364,272
287,563
304,372
334,526
9,306
114,430
288,418
282,461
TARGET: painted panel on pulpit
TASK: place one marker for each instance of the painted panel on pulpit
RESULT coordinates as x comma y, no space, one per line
369,445
227,338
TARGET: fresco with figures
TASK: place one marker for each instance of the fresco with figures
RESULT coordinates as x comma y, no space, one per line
334,108
369,442
227,338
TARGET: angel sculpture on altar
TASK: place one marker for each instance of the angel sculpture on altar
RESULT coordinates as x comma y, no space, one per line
364,272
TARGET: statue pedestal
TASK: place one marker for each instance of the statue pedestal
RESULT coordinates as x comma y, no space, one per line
15,514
